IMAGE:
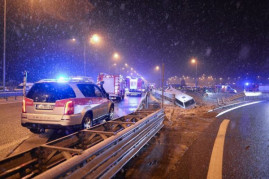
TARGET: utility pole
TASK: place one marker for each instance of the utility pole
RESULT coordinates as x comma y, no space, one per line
84,56
4,46
162,83
24,83
196,80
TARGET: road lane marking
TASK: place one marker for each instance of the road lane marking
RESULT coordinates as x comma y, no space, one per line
228,110
215,165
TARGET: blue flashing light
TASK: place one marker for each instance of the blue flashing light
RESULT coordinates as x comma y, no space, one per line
247,83
62,79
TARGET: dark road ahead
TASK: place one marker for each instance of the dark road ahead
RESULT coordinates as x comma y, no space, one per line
244,153
246,149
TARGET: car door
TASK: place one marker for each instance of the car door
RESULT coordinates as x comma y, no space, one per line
103,101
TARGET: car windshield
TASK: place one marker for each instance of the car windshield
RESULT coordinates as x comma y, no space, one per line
50,92
189,103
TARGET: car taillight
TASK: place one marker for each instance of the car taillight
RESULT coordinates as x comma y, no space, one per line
23,106
69,108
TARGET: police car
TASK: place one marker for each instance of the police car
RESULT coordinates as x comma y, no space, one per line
72,102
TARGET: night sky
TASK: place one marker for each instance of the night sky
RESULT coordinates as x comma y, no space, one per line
228,38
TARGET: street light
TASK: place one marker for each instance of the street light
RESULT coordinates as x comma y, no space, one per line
126,64
157,68
194,61
116,56
95,39
73,39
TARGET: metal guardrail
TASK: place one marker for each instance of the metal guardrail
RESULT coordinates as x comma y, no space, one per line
6,95
99,152
229,100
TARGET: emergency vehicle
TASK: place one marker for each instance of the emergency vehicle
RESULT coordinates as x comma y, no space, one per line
114,85
224,89
135,86
60,103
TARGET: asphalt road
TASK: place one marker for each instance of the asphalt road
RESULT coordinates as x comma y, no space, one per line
15,138
245,149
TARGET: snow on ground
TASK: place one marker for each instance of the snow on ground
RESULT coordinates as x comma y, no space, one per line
162,154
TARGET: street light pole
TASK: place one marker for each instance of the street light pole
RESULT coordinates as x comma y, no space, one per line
84,57
196,80
194,61
4,46
162,83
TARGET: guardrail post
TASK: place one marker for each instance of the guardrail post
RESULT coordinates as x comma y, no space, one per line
218,100
147,100
222,100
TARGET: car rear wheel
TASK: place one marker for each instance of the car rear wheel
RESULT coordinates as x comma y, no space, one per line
87,122
37,130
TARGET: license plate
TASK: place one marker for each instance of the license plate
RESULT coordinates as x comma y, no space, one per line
44,107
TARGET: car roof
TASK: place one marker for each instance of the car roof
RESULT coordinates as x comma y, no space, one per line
78,79
67,82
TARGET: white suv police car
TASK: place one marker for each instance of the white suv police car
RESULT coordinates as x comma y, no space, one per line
75,102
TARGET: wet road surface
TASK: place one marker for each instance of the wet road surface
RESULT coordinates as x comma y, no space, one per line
245,150
126,106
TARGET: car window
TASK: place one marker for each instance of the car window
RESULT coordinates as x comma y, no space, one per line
189,103
50,92
179,102
97,91
87,90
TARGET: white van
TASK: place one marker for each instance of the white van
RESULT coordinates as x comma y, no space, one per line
181,99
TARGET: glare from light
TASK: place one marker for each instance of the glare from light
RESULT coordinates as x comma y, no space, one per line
116,56
157,68
253,93
193,61
73,39
95,39
126,64
62,79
